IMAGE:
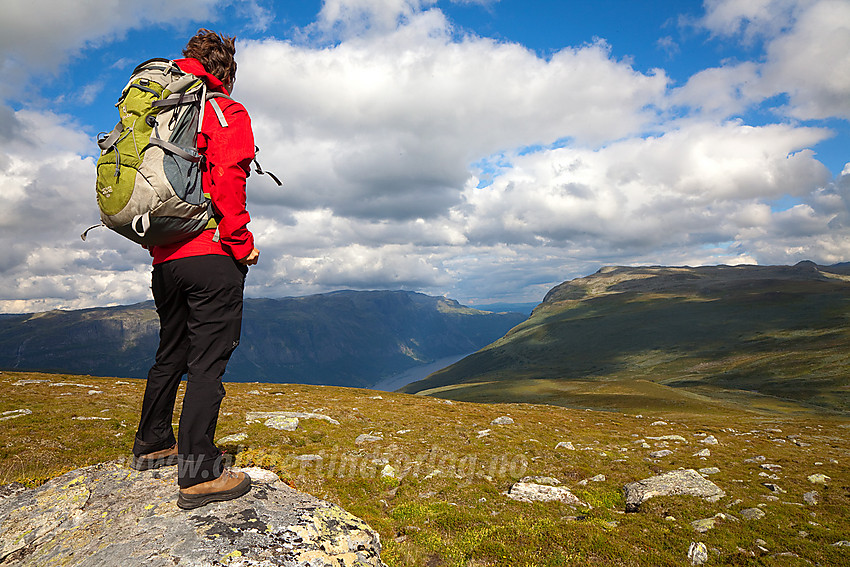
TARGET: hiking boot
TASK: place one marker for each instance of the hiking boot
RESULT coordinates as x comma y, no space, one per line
228,486
156,459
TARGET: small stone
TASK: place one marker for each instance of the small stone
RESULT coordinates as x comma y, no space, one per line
710,440
818,478
752,514
703,525
774,488
697,553
258,475
29,382
811,498
367,438
659,422
12,414
771,467
704,453
504,420
483,433
235,438
254,393
678,438
93,392
660,454
388,471
308,458
709,470
282,423
842,543
568,445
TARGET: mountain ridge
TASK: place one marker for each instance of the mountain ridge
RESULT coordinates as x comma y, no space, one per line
350,338
746,334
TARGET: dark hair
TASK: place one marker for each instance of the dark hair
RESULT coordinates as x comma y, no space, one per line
215,52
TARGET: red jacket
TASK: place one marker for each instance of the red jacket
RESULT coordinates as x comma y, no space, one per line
228,153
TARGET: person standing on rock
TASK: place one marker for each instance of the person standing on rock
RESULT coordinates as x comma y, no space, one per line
197,287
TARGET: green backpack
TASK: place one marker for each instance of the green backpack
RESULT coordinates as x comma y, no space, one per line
148,175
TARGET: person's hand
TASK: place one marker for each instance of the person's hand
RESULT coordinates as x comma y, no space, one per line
251,258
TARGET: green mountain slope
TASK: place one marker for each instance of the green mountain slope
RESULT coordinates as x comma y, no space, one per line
344,338
657,337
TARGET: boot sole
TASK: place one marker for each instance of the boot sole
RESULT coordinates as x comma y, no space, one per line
144,464
192,501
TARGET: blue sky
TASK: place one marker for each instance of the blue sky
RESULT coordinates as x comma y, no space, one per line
482,149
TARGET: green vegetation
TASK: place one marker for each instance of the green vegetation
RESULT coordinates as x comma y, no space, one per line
633,339
460,515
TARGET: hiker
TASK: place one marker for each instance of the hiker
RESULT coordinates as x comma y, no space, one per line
197,287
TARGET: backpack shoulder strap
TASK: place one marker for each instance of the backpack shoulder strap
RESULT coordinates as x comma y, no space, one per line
216,108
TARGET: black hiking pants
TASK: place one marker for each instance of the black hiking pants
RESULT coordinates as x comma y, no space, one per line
199,303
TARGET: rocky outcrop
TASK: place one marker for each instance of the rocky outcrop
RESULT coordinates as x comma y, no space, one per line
109,515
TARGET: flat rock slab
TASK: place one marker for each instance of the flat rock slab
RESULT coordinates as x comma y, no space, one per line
687,482
107,515
532,492
252,416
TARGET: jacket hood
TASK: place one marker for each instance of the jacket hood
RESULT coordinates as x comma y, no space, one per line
192,65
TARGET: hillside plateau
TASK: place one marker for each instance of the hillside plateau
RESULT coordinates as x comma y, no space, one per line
638,338
344,338
445,484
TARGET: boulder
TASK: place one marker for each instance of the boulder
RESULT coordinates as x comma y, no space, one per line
687,482
108,514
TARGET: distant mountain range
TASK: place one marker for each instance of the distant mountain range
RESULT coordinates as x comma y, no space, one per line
766,337
345,338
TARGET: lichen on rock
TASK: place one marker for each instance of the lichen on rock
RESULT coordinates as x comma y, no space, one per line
686,482
108,514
